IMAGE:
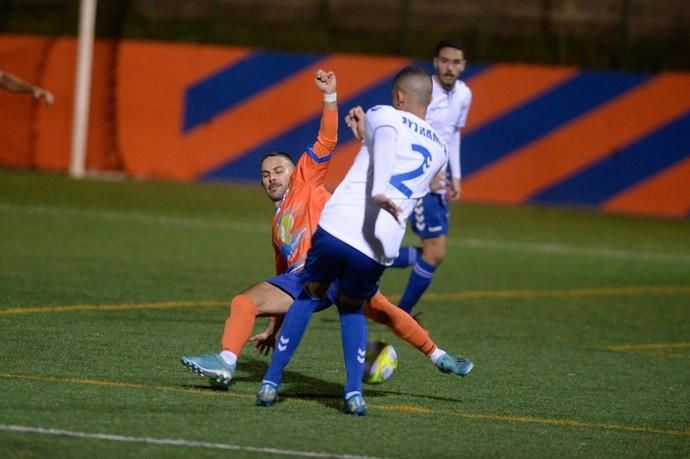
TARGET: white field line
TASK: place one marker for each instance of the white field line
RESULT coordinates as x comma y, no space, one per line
481,244
174,442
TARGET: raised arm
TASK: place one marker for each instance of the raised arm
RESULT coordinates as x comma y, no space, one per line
328,130
326,82
313,164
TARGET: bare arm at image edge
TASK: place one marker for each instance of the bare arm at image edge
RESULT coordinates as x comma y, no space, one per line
12,83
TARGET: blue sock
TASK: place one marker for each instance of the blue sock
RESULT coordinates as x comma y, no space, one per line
353,327
294,325
406,257
419,281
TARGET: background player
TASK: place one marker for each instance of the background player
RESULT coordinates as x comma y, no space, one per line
299,196
447,114
362,226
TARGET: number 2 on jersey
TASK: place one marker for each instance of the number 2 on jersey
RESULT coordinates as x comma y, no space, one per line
398,179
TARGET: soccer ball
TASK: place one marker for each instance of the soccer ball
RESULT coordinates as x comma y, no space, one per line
381,362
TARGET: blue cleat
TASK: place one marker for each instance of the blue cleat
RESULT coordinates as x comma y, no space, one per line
355,406
211,366
267,394
456,365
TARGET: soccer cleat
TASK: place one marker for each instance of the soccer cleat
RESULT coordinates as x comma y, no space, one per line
355,405
457,365
211,366
267,394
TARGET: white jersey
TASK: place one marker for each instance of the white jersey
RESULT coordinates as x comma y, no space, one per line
419,154
447,114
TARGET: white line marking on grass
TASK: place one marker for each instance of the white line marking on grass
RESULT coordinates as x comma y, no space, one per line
174,442
487,244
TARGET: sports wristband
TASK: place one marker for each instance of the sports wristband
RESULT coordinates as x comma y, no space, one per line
332,97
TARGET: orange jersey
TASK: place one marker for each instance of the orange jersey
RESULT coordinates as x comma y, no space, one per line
297,216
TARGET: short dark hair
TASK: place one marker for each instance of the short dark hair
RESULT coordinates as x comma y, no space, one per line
415,81
278,153
409,72
449,44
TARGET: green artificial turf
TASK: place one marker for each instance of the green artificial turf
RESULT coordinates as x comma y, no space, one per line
578,322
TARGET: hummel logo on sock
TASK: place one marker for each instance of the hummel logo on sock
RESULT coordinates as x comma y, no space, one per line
282,343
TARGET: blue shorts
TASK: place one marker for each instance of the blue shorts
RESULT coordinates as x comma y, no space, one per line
293,284
430,216
331,259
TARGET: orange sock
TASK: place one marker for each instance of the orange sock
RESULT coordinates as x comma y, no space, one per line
239,325
380,310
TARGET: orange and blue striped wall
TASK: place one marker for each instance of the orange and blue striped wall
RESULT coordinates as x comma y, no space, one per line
619,142
548,135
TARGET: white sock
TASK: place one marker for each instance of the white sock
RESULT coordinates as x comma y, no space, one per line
350,394
229,357
437,354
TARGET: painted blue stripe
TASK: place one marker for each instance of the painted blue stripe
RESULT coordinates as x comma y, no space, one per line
246,165
210,97
612,175
573,98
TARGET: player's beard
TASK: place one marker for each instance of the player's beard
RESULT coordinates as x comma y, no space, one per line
447,80
276,192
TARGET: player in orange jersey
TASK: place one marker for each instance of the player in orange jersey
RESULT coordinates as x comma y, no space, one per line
299,195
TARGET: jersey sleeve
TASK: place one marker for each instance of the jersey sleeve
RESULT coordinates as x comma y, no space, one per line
455,146
383,127
313,164
454,155
465,110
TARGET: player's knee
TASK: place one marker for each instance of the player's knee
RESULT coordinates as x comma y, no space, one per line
434,251
439,257
434,257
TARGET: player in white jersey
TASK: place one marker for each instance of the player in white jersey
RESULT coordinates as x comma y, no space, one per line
362,226
447,114
401,177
